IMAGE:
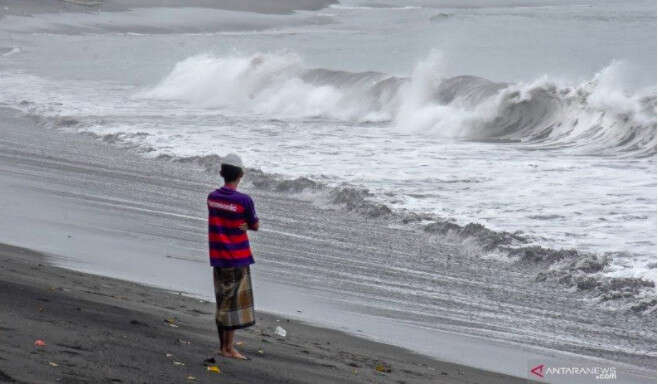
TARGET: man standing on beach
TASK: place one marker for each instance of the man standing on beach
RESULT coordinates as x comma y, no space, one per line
230,215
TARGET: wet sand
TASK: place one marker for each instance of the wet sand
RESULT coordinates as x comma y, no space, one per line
98,329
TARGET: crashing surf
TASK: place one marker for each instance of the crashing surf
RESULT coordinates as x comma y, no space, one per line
596,117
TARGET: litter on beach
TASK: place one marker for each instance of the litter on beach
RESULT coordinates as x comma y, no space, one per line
171,322
279,331
383,368
39,343
213,368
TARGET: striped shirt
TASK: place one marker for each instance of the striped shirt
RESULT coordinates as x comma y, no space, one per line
228,244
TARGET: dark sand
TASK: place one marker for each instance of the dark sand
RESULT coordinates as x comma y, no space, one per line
99,329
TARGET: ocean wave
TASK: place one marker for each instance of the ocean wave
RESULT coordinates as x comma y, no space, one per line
597,117
350,197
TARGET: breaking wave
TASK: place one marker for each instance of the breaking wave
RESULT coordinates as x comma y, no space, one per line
597,116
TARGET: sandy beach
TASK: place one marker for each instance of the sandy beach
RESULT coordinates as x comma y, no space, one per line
98,329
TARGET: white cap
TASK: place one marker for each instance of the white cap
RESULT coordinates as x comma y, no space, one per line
232,160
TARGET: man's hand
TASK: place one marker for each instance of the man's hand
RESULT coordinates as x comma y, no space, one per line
244,227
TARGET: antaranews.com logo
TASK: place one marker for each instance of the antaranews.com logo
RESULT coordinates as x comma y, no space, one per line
590,372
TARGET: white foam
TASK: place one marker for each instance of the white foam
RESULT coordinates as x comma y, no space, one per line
268,84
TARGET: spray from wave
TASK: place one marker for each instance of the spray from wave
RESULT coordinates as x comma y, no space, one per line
597,116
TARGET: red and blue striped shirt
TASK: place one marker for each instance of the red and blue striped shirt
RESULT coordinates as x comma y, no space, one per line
228,244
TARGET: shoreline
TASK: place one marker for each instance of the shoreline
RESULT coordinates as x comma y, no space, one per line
99,329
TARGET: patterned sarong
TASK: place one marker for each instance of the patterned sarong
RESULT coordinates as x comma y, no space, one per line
235,301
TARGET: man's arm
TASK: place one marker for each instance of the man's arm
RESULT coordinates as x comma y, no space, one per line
250,216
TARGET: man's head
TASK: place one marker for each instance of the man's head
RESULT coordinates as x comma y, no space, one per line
231,169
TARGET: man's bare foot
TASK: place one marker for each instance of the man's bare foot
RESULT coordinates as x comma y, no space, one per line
233,354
